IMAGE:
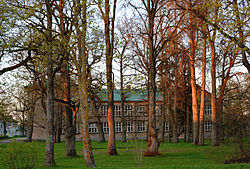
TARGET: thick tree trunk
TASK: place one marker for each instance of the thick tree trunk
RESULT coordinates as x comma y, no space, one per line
30,126
50,116
82,85
70,149
49,153
58,124
194,104
202,104
100,130
193,85
84,110
111,149
152,141
97,119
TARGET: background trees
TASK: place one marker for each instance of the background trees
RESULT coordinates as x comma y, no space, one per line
171,43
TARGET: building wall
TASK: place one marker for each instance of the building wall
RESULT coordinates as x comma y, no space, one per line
12,129
135,115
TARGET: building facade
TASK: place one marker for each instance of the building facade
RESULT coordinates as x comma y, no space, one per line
135,117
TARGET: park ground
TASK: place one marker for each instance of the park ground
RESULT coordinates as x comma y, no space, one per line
181,155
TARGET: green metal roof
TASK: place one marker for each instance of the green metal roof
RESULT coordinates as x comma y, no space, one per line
133,95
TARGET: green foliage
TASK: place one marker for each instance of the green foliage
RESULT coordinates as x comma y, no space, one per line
20,155
3,137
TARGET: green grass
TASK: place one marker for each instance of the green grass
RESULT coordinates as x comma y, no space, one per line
181,155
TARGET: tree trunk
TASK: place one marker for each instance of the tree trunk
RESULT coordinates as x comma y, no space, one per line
98,120
4,129
188,122
194,91
49,154
169,115
175,131
70,150
111,149
124,139
100,130
213,96
58,124
81,64
163,112
30,126
202,104
84,110
152,141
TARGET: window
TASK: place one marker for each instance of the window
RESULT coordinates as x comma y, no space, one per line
157,111
208,126
118,126
208,110
105,127
166,126
141,127
129,126
92,128
104,110
117,110
140,109
127,110
90,110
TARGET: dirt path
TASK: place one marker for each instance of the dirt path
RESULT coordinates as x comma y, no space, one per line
5,141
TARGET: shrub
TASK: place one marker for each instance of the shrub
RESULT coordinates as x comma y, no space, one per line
3,137
20,155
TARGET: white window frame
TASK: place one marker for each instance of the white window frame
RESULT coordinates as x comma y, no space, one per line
141,126
140,109
128,110
118,127
117,110
105,127
129,126
92,128
207,110
208,126
104,110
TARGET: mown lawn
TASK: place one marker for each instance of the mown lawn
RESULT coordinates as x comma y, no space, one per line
181,155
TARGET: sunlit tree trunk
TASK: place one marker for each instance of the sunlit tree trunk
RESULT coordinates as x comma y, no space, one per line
70,150
82,84
174,122
202,104
194,91
152,141
213,97
68,114
111,149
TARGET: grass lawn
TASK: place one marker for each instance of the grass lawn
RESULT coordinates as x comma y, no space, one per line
181,155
